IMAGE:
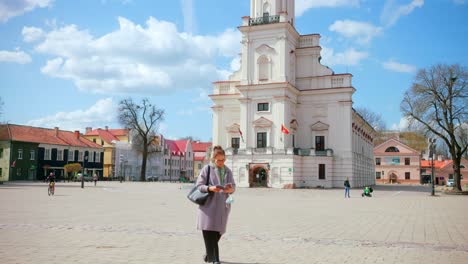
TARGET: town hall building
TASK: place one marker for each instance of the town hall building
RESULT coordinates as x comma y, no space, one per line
285,120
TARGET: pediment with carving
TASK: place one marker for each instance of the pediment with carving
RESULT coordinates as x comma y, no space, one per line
265,49
234,128
319,126
262,122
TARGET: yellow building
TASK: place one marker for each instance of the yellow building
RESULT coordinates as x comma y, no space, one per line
201,151
106,138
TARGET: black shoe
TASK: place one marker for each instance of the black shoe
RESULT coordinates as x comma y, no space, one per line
206,259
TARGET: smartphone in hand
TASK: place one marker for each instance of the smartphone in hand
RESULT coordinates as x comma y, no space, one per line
228,185
220,187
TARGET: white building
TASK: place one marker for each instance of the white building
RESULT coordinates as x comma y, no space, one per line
128,161
281,81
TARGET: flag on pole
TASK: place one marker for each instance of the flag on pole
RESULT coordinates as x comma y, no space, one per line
284,130
242,136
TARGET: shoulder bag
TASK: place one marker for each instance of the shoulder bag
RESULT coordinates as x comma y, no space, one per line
199,197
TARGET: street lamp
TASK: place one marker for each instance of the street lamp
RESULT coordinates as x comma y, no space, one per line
121,158
85,158
431,154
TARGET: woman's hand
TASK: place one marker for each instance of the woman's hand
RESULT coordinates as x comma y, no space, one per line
228,189
214,189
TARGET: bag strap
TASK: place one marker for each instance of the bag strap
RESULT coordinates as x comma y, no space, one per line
208,177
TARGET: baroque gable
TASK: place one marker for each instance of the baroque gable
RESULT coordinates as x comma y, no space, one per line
265,49
234,128
319,126
402,148
262,122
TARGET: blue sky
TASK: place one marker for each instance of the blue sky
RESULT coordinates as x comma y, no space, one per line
69,63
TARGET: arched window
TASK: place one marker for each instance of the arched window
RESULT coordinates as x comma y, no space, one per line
266,9
392,149
263,68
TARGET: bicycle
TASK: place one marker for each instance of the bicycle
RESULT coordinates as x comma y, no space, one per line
51,189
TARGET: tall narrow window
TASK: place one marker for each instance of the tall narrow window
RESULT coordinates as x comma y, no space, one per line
320,143
32,155
378,175
407,161
47,154
263,68
407,175
20,154
1,153
59,154
261,140
235,142
321,171
377,161
70,155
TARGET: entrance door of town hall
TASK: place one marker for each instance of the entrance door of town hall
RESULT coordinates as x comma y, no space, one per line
258,176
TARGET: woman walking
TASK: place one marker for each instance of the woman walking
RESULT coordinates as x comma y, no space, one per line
213,215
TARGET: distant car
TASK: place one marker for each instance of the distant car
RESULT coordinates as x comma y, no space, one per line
87,177
152,178
450,183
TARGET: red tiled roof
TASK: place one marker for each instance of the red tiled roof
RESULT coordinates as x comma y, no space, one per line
181,145
437,163
108,135
44,136
200,146
173,148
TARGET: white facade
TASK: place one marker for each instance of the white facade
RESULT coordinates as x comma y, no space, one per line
281,81
128,163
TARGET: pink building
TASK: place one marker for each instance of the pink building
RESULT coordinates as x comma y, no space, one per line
396,162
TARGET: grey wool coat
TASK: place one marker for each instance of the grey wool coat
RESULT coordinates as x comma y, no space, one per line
213,215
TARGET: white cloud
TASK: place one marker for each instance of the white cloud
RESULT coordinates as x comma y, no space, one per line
363,32
402,126
15,56
31,34
399,67
392,12
303,5
185,112
349,57
9,9
236,64
103,112
151,59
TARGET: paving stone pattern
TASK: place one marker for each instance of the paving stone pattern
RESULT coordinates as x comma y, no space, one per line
154,223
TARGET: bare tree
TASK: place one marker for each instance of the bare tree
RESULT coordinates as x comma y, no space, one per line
374,119
438,101
143,120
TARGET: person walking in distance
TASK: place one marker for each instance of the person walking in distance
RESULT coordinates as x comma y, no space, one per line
95,178
347,186
213,215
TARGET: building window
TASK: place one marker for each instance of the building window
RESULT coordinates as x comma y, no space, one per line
261,140
320,143
98,157
32,155
59,154
102,142
199,166
94,140
377,161
47,154
80,155
321,171
70,155
407,161
407,175
18,172
423,171
263,68
392,149
262,107
235,142
1,172
20,154
1,153
378,175
450,176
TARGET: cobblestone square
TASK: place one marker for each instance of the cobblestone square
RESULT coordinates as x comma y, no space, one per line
154,223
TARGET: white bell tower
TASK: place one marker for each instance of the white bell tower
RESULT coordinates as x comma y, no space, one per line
266,8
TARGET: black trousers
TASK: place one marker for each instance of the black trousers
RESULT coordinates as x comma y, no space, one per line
211,244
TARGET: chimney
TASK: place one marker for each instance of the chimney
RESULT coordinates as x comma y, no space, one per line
89,129
107,128
77,134
56,131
